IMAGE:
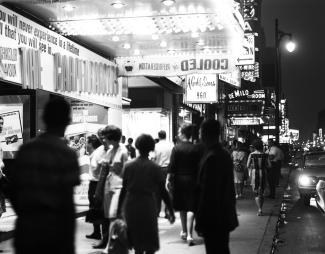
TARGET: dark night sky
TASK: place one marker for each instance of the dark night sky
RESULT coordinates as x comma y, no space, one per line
303,72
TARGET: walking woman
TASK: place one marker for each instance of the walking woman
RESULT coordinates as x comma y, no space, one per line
258,161
141,180
239,159
111,172
182,178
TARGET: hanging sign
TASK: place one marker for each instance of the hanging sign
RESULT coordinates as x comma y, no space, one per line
247,55
232,78
201,88
246,121
174,65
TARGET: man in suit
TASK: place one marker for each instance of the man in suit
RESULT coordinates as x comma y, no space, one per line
43,178
216,213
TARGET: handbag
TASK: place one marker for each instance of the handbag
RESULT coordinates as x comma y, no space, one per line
118,240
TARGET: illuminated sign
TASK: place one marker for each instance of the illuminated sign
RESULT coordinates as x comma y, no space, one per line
174,65
73,74
39,58
232,78
247,95
246,121
201,88
247,55
245,108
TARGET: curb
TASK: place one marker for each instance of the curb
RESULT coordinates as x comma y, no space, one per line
267,240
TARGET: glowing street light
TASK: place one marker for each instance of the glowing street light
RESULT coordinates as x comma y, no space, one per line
291,46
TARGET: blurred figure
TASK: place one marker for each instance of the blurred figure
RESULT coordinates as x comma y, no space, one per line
131,149
181,180
93,143
216,186
44,175
163,150
274,172
96,163
113,162
123,139
142,179
258,161
239,158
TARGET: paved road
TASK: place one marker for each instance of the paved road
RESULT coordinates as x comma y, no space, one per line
304,229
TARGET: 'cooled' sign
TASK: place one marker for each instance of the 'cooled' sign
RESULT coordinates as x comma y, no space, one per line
201,88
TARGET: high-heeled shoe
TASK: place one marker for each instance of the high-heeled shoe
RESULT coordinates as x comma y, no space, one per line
183,235
190,240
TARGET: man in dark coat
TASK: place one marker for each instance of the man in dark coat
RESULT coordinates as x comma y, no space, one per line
216,212
44,174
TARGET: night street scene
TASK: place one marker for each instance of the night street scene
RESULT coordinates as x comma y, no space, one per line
162,126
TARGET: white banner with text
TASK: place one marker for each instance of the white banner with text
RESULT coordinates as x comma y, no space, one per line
201,88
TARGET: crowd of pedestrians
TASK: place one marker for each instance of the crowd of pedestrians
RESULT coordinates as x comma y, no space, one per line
127,185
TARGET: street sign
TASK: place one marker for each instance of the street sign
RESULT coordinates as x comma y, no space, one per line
247,55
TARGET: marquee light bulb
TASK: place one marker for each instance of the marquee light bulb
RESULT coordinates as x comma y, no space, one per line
115,38
68,8
118,4
168,2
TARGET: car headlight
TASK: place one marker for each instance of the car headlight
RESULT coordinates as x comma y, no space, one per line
305,180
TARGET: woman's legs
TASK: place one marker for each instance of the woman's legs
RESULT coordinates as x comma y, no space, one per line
183,216
237,189
241,187
259,202
190,220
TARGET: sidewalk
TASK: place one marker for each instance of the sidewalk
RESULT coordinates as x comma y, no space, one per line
254,234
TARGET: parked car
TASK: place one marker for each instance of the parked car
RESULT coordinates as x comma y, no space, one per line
312,170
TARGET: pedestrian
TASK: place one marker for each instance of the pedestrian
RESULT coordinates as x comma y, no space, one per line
114,160
258,161
163,150
43,178
123,139
216,213
239,158
181,180
130,148
93,143
96,214
276,157
142,180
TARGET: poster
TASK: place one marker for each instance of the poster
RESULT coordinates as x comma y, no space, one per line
12,133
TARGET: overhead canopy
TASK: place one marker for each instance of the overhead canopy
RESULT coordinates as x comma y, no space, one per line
144,27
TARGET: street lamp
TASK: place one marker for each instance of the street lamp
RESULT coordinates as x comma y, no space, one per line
279,35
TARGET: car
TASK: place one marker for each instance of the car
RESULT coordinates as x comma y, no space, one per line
311,172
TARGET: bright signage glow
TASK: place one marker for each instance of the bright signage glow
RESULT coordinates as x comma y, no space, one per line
29,52
246,121
174,65
201,88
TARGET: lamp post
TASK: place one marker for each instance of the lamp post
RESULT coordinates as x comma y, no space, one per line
279,35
